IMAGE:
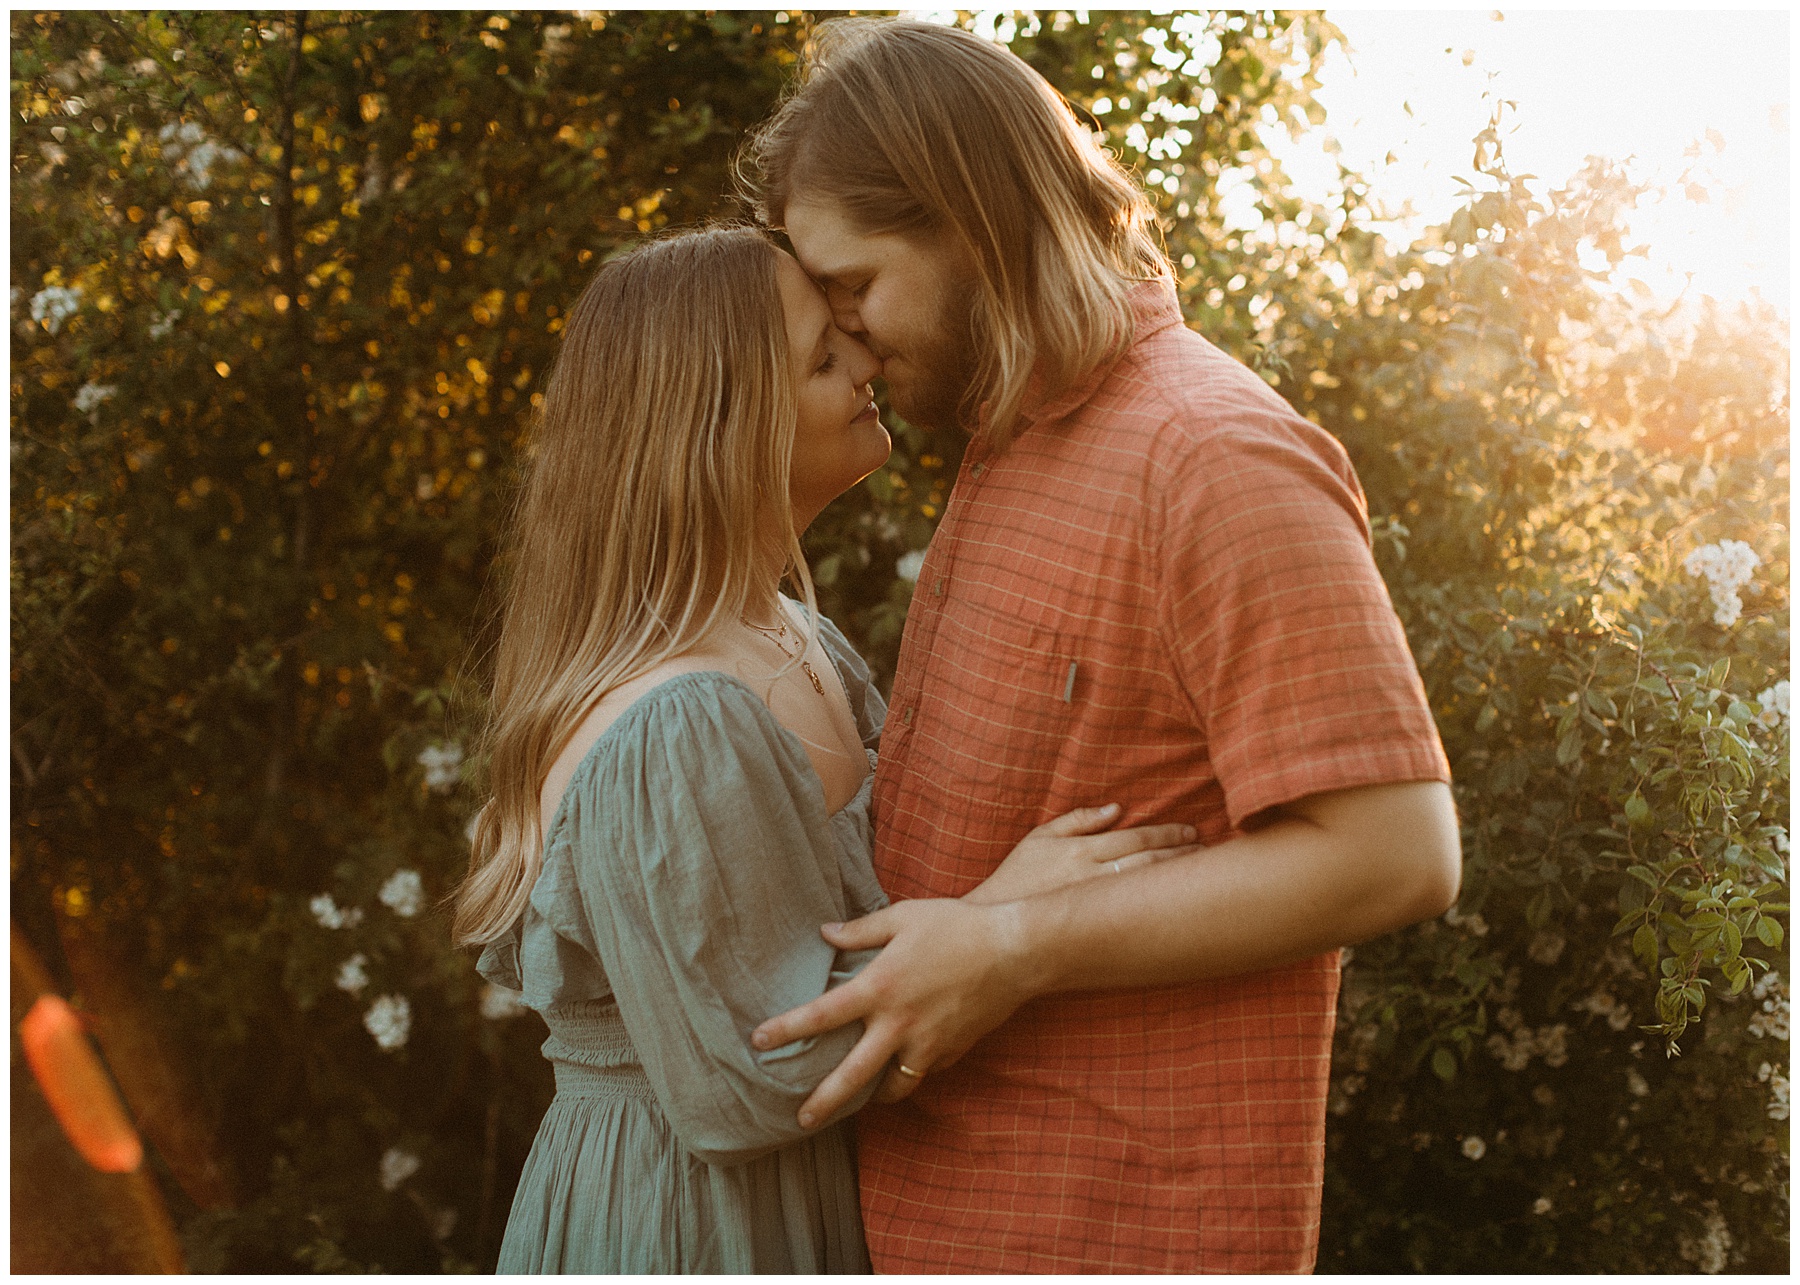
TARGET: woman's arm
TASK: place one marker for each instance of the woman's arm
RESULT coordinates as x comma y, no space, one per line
705,864
1077,846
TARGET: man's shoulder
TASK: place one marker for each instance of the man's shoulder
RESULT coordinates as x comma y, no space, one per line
1190,401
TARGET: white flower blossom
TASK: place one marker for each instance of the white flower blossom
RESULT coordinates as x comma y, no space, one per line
443,766
329,915
1473,1147
1635,1082
164,323
54,305
1541,1205
90,396
1602,1004
1547,946
499,1003
353,974
403,893
907,567
396,1167
1516,1051
1778,1090
1711,1252
1727,567
191,152
1771,1021
1774,702
389,1020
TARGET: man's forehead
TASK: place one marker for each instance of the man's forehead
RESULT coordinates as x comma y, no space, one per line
824,240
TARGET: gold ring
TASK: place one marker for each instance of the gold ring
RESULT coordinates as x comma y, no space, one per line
907,1071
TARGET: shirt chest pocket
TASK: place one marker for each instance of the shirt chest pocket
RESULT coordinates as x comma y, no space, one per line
999,704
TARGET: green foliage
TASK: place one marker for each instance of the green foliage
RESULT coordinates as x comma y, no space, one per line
260,459
1621,765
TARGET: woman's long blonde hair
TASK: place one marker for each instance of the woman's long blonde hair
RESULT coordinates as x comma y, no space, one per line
920,129
654,509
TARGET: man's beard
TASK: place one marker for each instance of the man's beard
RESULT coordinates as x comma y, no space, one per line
946,363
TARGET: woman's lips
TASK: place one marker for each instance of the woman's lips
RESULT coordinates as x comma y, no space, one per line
867,413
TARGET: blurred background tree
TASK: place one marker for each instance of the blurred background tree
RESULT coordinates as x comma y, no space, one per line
284,290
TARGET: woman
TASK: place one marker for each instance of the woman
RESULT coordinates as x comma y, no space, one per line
680,762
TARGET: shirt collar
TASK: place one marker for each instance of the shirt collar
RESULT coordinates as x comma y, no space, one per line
1154,307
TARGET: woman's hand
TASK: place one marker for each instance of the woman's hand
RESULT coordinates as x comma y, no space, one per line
1077,846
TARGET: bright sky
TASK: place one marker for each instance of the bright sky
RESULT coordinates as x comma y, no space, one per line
1647,86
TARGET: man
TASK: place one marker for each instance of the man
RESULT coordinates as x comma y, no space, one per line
1152,585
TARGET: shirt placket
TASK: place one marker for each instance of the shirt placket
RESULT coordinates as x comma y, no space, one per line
946,545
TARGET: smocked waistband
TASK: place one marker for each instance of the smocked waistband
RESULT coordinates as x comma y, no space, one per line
591,1053
573,1080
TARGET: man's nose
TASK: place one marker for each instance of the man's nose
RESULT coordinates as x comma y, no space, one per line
844,312
864,365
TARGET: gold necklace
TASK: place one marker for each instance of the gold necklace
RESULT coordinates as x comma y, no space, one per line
778,636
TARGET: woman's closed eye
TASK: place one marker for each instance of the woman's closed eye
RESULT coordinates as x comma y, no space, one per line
828,365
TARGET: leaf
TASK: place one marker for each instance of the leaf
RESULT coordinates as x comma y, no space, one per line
1732,940
1643,945
1768,932
1537,913
1637,811
1443,1064
1569,748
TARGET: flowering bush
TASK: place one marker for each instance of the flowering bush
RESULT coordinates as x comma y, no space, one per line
292,287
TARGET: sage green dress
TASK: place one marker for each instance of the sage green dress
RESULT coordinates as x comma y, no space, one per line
686,873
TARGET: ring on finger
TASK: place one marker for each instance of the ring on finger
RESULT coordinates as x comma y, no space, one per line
908,1072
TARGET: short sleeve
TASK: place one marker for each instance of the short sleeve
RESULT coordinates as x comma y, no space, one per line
703,865
1281,628
499,961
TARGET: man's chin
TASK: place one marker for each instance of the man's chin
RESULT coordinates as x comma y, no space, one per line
923,408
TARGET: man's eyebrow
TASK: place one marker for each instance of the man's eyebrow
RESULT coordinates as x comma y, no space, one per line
833,274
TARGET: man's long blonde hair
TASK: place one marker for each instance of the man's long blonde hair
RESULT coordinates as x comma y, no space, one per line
924,130
654,509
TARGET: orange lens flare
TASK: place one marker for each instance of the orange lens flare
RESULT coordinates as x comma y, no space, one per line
77,1088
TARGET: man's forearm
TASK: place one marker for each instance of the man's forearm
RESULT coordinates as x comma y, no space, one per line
1335,870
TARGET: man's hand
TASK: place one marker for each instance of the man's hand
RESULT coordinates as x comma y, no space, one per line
1328,870
949,972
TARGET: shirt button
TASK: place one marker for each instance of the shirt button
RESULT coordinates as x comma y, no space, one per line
977,470
907,717
937,588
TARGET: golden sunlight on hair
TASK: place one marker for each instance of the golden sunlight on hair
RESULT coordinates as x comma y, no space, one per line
647,518
928,131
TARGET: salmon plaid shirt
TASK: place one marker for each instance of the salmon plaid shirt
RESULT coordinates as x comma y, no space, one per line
1160,594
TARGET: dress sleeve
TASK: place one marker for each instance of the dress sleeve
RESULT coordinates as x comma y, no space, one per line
704,864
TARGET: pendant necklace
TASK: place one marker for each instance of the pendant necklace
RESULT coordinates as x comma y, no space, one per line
778,636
